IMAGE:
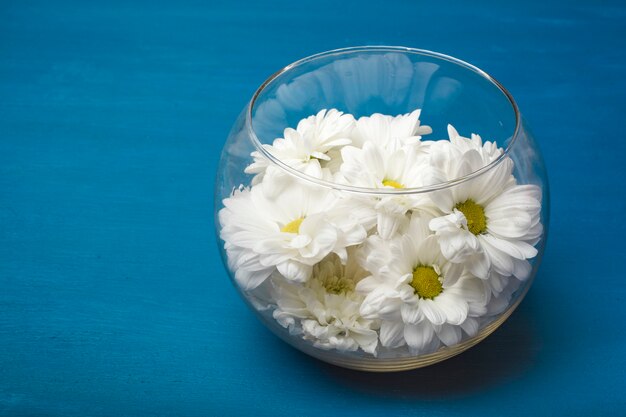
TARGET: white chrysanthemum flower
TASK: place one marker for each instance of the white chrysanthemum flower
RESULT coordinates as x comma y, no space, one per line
382,129
392,166
326,308
292,230
489,221
417,292
308,147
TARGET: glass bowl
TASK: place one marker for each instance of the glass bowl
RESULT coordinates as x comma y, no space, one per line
381,208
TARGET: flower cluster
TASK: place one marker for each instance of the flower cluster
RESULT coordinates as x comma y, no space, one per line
386,268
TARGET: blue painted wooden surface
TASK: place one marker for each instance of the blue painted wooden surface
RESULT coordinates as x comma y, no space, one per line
113,300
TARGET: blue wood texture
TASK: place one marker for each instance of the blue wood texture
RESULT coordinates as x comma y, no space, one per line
113,300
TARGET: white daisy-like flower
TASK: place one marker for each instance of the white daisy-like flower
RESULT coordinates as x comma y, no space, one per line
308,147
291,231
381,129
394,166
421,297
325,309
489,221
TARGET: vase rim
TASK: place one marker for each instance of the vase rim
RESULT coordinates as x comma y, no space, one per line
387,191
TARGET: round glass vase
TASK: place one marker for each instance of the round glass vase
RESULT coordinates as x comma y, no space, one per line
363,81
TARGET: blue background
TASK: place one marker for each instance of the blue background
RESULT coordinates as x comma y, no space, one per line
113,300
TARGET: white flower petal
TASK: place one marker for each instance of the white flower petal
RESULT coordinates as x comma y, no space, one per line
521,269
418,336
300,241
428,252
373,303
479,265
392,334
443,199
367,340
450,335
501,262
411,314
516,249
368,284
454,308
432,311
495,180
470,326
474,291
470,161
388,224
294,271
451,274
457,245
249,280
275,256
515,226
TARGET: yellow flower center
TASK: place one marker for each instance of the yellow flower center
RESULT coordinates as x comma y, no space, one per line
293,226
426,282
337,285
475,215
392,183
